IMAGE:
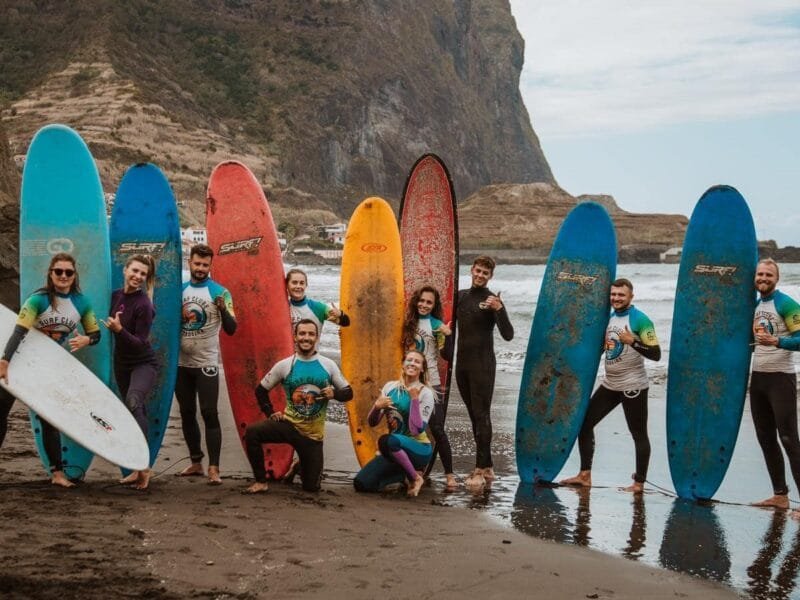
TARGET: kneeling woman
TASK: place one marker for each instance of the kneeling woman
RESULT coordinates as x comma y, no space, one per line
407,405
135,365
56,310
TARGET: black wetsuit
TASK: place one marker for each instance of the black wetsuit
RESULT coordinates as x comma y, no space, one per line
475,363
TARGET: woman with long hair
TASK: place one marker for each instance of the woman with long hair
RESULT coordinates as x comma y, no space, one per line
424,330
56,310
135,365
406,405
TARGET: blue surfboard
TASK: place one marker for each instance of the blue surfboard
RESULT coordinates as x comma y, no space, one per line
62,209
566,342
145,221
710,344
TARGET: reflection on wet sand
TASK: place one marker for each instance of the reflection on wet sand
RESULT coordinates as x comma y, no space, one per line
759,584
694,542
638,532
539,511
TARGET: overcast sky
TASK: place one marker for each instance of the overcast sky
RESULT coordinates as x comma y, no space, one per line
654,102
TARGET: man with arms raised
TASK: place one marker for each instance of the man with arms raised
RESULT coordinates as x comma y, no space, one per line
478,311
206,306
773,384
630,338
310,381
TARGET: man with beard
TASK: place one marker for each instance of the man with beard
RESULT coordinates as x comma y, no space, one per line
305,376
630,338
206,306
773,383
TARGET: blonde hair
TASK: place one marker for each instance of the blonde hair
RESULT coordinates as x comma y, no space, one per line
150,262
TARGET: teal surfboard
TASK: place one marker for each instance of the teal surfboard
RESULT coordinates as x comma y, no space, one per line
710,343
62,209
145,221
566,342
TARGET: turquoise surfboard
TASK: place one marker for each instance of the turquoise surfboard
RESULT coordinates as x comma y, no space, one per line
566,342
62,209
145,221
710,344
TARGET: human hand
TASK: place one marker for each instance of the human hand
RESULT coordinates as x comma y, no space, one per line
76,342
764,338
335,313
384,402
220,303
327,392
113,324
277,416
493,302
445,328
626,337
4,371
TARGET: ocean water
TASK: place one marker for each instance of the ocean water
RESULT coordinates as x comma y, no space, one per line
753,550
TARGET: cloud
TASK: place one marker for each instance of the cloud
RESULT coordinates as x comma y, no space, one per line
619,66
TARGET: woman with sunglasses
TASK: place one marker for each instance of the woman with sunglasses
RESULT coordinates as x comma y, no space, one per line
135,365
406,405
56,310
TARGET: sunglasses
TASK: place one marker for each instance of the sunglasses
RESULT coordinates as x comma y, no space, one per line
63,272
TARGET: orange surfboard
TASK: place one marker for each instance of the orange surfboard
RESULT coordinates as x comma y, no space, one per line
372,295
247,261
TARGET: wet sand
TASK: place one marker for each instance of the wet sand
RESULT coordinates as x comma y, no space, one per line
185,539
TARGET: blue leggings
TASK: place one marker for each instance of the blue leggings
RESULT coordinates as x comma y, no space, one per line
382,470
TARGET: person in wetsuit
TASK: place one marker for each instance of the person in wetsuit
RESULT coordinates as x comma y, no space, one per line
135,364
56,310
630,338
207,306
310,381
477,312
773,383
406,405
424,330
303,307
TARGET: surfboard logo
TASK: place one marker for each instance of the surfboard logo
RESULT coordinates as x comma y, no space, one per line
372,247
248,245
102,422
57,245
584,280
721,270
154,248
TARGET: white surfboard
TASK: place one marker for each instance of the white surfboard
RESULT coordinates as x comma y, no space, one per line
55,384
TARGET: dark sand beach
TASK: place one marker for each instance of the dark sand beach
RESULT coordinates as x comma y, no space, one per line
186,539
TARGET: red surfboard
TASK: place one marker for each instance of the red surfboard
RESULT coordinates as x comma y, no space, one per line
429,236
247,261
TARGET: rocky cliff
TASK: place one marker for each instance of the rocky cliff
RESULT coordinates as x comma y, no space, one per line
328,101
513,217
9,226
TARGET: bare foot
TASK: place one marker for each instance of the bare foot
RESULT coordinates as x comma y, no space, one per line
475,479
144,479
130,479
582,479
635,488
60,479
193,470
488,474
294,469
415,487
256,488
213,476
776,501
452,483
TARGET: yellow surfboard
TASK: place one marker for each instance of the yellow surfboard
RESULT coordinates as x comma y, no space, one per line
372,295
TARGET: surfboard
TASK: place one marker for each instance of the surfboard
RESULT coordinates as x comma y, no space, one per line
715,303
372,295
62,209
566,342
144,220
429,238
248,263
64,392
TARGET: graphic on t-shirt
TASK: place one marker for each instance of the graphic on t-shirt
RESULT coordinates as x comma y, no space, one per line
194,317
56,331
613,346
307,400
763,324
394,420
